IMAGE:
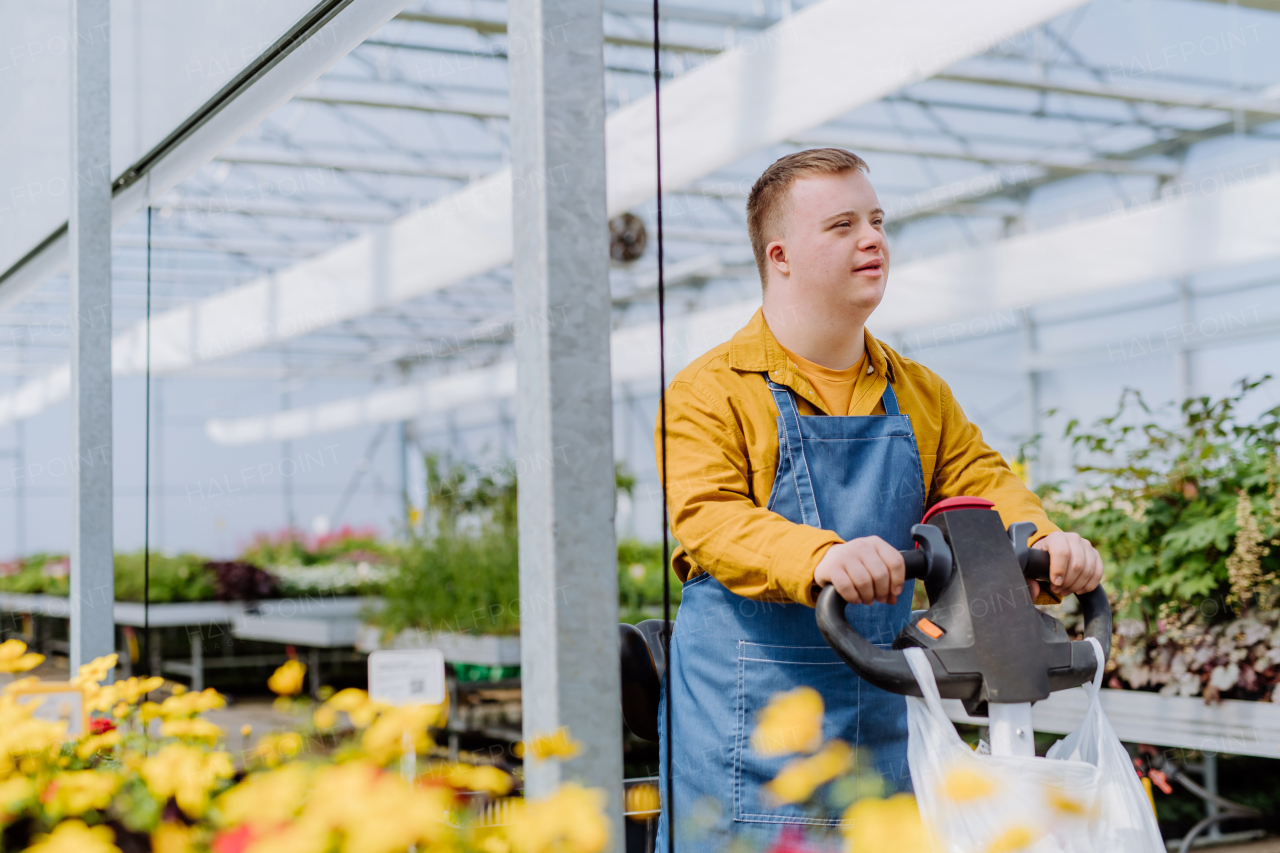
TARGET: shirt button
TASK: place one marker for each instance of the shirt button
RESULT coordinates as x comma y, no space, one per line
870,369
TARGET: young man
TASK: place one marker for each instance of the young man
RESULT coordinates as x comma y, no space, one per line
799,455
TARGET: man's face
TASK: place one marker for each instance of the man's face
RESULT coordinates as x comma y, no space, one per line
833,247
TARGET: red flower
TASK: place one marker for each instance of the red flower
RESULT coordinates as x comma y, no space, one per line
101,725
232,840
790,840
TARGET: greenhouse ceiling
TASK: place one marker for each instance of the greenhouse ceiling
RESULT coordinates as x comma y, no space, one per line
360,230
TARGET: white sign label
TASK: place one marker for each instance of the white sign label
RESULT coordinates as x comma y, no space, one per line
407,676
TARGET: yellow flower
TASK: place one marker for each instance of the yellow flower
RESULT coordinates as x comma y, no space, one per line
77,791
96,743
569,821
72,836
375,811
149,711
95,670
967,783
642,801
384,740
802,776
246,730
1013,839
885,826
358,706
20,684
301,836
187,774
22,736
15,793
187,704
325,717
287,680
265,798
482,777
133,689
1019,469
192,729
14,657
171,837
274,748
558,744
98,697
791,722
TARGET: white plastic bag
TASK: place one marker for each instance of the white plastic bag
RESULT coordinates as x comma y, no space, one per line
1084,798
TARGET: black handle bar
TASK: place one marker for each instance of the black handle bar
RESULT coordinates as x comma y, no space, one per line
888,668
918,564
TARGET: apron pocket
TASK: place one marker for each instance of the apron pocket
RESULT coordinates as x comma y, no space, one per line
764,670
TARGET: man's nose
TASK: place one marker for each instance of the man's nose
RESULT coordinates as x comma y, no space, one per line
870,240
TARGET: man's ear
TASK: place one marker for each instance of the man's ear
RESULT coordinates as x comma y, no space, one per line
777,255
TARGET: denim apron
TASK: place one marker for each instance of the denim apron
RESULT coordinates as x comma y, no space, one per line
857,476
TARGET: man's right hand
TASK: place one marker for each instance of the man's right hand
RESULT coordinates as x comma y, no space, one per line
863,570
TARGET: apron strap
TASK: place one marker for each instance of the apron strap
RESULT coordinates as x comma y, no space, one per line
890,400
791,443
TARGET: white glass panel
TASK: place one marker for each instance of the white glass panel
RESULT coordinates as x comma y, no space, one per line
167,59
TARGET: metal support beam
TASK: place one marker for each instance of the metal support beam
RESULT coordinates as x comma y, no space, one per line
1183,363
1113,91
564,412
89,237
1030,344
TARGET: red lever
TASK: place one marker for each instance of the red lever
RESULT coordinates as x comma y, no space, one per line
959,502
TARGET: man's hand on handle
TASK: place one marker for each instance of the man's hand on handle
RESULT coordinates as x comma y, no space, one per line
1074,564
863,570
870,569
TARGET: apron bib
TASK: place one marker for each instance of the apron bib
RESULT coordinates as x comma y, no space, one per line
856,476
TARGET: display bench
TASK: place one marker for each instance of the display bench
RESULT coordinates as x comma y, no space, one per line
1230,726
316,623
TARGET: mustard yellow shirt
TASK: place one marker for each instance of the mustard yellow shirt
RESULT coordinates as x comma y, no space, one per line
835,388
722,446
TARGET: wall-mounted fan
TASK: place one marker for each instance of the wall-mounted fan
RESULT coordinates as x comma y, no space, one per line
627,238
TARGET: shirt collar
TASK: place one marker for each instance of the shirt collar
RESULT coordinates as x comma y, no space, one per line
754,349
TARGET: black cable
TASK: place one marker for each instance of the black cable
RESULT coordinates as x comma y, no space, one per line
662,409
146,478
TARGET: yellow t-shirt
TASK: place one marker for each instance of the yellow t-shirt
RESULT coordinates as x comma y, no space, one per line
836,388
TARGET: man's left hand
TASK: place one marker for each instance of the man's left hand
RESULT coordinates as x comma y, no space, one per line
1074,564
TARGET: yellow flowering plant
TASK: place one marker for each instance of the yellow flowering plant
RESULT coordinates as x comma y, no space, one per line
354,776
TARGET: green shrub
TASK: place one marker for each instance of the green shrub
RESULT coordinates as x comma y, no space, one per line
173,578
1183,514
459,569
452,582
640,569
182,577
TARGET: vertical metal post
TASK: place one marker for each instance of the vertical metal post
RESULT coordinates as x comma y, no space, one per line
197,657
1183,363
286,483
564,410
1211,785
92,570
20,489
1030,347
404,474
157,396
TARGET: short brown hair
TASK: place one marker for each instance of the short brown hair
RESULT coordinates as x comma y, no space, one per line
767,203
